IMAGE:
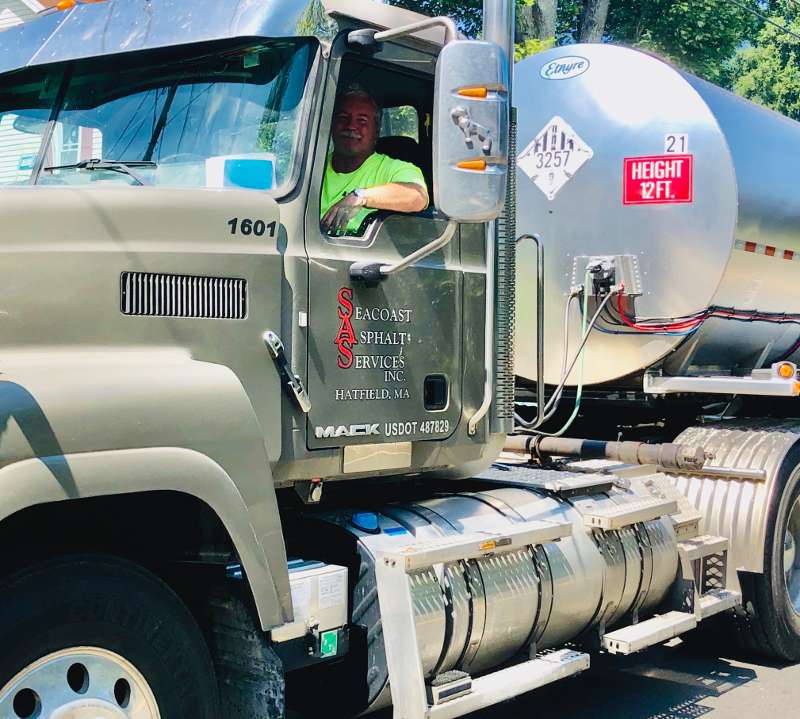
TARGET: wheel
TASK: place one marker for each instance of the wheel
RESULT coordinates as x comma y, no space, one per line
99,638
769,620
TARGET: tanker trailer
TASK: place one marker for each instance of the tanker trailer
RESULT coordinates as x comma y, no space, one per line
668,215
678,192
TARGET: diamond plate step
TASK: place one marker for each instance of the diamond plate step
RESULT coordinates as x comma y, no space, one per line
718,600
618,516
563,484
513,681
702,546
645,634
476,544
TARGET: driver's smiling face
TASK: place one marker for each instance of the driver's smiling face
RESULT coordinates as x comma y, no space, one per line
355,127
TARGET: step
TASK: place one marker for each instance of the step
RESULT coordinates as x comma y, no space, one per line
474,545
702,546
636,637
508,683
617,516
560,483
718,600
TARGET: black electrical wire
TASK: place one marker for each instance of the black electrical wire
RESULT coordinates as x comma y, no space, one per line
766,19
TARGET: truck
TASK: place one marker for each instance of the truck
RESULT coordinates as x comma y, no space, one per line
247,464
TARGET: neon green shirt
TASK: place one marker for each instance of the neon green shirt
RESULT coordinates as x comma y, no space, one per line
376,170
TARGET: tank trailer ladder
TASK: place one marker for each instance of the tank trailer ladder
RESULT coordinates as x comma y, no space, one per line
455,693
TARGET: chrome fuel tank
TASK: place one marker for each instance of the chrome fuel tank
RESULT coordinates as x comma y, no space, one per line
719,228
474,615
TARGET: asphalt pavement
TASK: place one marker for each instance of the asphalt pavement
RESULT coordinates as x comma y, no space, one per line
666,682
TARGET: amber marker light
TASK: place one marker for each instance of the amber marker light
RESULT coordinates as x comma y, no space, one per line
65,4
786,370
474,165
476,93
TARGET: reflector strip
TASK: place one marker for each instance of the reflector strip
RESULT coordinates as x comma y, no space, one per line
767,250
474,92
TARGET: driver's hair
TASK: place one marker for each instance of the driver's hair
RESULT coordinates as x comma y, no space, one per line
356,90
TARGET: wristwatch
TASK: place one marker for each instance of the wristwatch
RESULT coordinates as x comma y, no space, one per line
361,196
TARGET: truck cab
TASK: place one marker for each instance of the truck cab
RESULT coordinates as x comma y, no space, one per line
183,335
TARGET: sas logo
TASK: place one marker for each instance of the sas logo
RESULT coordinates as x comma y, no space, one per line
345,337
564,68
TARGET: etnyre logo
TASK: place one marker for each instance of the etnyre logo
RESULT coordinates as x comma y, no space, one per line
564,68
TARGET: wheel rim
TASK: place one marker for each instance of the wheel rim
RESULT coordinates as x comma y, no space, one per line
79,683
791,556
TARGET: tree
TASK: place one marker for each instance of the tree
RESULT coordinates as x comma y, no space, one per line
769,71
699,35
538,21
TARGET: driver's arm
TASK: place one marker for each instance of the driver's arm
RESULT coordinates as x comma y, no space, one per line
396,196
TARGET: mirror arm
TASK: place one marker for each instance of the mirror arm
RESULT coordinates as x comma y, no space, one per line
371,273
368,36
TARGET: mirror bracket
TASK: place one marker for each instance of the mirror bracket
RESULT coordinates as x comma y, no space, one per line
369,36
371,273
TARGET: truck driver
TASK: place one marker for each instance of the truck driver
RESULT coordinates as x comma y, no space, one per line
358,181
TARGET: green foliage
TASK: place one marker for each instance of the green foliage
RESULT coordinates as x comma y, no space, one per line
466,13
699,35
530,46
769,71
400,121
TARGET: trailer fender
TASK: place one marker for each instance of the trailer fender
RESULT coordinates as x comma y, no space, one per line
738,508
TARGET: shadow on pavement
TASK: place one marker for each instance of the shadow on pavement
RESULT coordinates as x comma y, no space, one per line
661,683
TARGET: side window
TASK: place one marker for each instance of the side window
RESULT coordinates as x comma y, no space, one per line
402,120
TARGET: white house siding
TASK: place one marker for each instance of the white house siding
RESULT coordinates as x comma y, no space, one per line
16,149
13,12
8,18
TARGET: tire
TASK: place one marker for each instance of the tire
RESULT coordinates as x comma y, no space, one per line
767,623
107,617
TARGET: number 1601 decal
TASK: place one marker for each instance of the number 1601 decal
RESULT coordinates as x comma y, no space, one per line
247,226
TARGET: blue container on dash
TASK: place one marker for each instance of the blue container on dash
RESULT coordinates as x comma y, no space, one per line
249,173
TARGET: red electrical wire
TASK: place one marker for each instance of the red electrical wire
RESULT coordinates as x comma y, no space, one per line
674,327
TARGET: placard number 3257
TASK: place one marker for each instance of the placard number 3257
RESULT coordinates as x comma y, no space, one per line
246,226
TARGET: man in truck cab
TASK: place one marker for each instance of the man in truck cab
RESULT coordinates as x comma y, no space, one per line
358,181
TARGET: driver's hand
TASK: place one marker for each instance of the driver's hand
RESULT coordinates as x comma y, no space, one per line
338,217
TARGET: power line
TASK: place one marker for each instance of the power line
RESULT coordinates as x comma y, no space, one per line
767,20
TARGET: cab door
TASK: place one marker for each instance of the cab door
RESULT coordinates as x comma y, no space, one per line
384,361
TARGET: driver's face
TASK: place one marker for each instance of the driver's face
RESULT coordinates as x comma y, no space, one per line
355,127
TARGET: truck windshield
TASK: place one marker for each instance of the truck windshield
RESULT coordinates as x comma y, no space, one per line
231,119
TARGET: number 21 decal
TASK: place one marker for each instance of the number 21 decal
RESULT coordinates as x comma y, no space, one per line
247,226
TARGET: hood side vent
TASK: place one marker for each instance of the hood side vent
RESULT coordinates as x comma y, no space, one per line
162,295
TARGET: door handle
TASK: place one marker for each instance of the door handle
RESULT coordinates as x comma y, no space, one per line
291,381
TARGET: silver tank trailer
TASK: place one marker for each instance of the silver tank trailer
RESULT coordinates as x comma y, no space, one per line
730,239
478,614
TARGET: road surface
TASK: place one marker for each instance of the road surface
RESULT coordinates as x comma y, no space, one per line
665,682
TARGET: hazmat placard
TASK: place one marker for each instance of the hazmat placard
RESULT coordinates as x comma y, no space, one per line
553,157
658,180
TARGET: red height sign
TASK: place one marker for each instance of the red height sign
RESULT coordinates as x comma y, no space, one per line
658,180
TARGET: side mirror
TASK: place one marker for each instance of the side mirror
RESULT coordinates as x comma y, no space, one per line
470,130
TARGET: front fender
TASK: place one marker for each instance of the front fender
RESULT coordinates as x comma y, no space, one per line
113,423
